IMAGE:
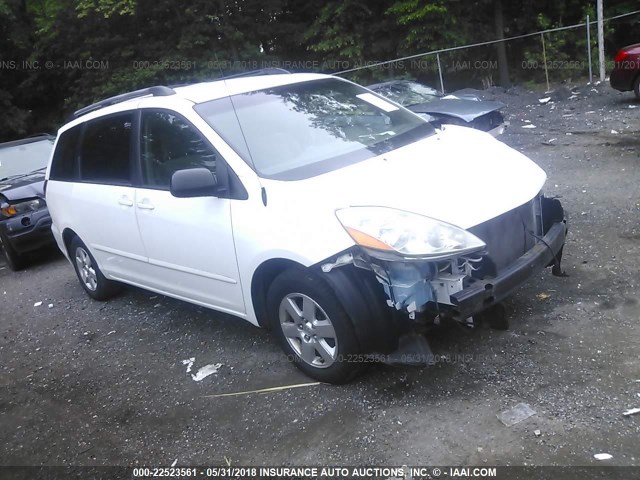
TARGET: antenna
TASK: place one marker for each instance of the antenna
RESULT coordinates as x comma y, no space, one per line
235,112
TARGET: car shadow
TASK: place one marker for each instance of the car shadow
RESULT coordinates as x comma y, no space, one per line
627,100
38,258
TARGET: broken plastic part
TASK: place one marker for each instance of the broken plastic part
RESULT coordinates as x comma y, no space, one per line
445,285
603,456
345,259
411,285
514,415
413,349
407,286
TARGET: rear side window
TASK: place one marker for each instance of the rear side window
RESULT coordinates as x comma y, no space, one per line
105,154
169,143
64,163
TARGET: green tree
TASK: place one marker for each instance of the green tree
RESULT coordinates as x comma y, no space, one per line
355,33
137,43
13,50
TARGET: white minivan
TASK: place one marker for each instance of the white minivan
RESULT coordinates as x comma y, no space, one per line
303,203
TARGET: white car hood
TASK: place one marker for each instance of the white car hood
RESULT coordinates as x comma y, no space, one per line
460,176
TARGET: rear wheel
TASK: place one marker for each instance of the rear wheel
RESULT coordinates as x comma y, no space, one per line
14,260
312,327
89,274
636,87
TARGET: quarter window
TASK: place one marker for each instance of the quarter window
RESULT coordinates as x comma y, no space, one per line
64,165
169,143
105,154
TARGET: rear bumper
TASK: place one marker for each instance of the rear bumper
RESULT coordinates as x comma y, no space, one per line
482,294
28,232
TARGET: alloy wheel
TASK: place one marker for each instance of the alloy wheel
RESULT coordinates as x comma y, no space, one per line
85,269
308,330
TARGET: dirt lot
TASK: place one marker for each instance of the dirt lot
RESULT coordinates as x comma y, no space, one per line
88,383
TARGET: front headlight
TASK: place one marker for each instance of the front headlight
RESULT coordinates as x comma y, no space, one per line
383,230
14,209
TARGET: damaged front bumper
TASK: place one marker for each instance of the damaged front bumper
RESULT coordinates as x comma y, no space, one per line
519,243
482,294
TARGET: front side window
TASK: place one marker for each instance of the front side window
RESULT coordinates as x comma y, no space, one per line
301,130
167,144
105,153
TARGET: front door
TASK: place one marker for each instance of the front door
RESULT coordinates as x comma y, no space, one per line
188,241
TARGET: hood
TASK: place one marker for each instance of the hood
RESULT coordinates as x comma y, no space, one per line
465,109
28,186
461,176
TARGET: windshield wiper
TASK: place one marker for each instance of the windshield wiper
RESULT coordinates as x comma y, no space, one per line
22,175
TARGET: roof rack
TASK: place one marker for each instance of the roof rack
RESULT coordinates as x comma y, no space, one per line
157,91
255,73
250,73
162,91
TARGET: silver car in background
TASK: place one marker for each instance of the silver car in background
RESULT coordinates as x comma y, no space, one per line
464,109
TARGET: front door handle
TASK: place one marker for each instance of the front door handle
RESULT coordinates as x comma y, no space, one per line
124,200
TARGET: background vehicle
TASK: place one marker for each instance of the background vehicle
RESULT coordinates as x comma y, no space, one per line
25,224
625,75
466,110
303,203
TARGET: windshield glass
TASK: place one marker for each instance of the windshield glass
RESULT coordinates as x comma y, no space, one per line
25,158
407,93
298,131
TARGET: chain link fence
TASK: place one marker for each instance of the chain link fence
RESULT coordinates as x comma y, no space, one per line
562,54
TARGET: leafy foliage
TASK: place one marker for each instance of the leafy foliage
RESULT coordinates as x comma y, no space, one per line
107,8
58,55
419,17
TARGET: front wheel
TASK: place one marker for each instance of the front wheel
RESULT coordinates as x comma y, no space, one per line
312,327
14,260
89,274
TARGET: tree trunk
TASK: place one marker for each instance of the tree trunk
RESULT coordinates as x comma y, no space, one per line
503,67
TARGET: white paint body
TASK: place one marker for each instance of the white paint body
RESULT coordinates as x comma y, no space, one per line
206,250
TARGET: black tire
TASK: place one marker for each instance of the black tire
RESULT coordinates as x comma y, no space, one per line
104,289
14,260
636,87
296,285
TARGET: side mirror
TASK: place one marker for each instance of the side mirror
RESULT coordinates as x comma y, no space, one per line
194,182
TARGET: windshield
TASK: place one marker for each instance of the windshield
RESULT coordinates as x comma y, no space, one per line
25,158
407,93
298,131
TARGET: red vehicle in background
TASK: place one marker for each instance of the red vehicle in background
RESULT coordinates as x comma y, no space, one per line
626,70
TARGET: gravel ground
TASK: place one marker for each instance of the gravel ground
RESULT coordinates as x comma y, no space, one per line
89,383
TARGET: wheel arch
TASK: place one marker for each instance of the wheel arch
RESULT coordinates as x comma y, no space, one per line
376,325
360,294
262,277
67,237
